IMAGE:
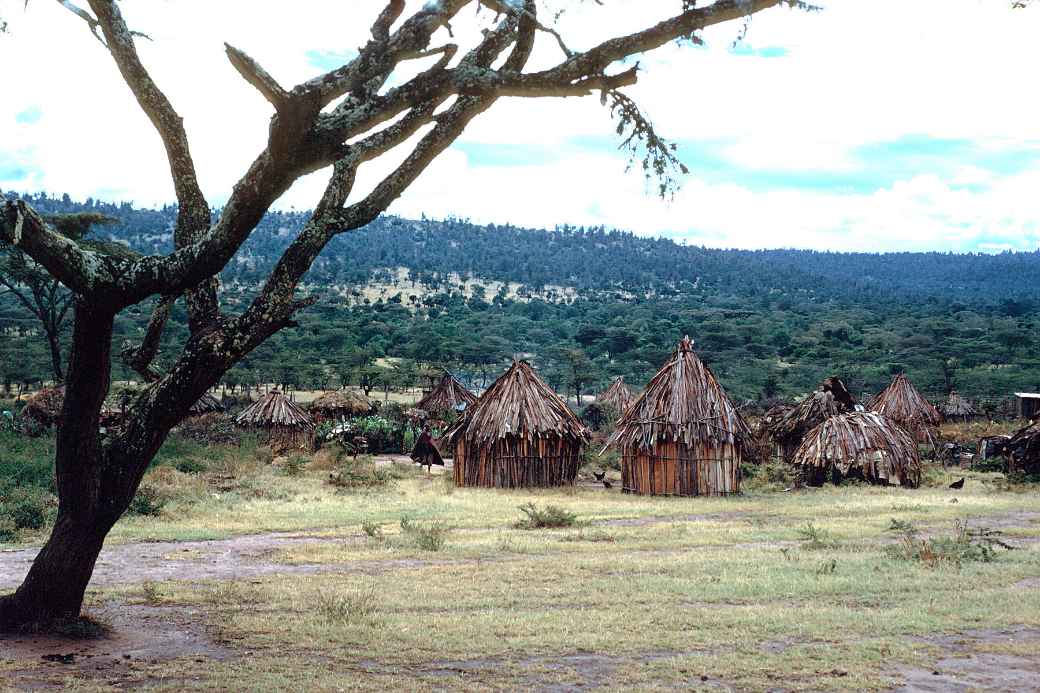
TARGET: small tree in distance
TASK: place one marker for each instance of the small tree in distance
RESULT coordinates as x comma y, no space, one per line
340,121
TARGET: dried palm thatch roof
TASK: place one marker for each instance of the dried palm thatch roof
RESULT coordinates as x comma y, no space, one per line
274,410
517,404
875,445
44,406
902,403
207,404
341,403
958,407
683,403
618,395
790,427
448,395
1023,449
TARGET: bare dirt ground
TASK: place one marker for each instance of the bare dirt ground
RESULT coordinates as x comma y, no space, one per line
967,666
139,638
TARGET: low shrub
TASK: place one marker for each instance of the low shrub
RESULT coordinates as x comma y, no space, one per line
294,465
768,476
148,501
350,607
190,466
815,538
550,517
373,530
965,545
428,536
8,532
364,473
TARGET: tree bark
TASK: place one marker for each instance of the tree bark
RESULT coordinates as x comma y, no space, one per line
53,590
55,345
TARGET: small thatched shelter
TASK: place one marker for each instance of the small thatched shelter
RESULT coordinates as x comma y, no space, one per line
283,421
617,396
1023,449
958,408
789,429
518,434
44,406
449,395
861,444
340,404
682,436
207,404
902,403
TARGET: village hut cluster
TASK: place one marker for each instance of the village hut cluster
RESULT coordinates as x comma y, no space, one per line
682,435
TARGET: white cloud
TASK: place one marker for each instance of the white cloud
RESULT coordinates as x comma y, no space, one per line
862,72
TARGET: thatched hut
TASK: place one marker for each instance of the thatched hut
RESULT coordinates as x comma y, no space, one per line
682,436
207,404
861,444
789,429
958,408
1022,450
902,403
616,397
283,420
518,434
44,406
340,404
449,395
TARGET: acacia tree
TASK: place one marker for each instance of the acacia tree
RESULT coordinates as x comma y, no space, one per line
40,293
339,120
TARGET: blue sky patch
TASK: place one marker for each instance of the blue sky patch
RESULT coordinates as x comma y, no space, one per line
763,52
329,60
29,116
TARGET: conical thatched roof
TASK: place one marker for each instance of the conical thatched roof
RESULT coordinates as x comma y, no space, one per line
517,404
44,406
854,440
818,406
207,404
274,410
448,395
902,403
341,403
683,403
617,396
958,407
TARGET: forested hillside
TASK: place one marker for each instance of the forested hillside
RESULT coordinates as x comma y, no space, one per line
769,322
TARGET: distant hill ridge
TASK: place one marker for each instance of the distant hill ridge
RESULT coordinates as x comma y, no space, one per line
598,259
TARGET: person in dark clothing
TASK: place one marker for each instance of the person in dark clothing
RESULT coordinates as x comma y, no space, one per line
425,452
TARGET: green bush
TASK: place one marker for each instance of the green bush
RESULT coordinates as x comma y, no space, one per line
965,545
8,532
190,466
551,517
429,536
295,465
148,501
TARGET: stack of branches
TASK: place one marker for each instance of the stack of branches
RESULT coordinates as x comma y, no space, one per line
902,403
44,406
790,429
958,408
617,397
1023,450
340,404
449,395
860,444
274,413
518,404
684,403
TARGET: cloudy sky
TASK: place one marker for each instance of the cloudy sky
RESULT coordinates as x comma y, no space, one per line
872,125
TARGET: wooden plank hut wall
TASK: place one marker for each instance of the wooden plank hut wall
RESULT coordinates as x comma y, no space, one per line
682,436
862,444
618,396
282,419
902,403
518,434
449,395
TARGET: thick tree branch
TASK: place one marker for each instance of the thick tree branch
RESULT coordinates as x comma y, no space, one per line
258,77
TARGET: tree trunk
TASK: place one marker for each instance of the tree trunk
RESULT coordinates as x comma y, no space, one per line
54,587
55,345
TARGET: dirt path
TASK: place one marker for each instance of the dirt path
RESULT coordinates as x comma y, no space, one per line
222,559
966,666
